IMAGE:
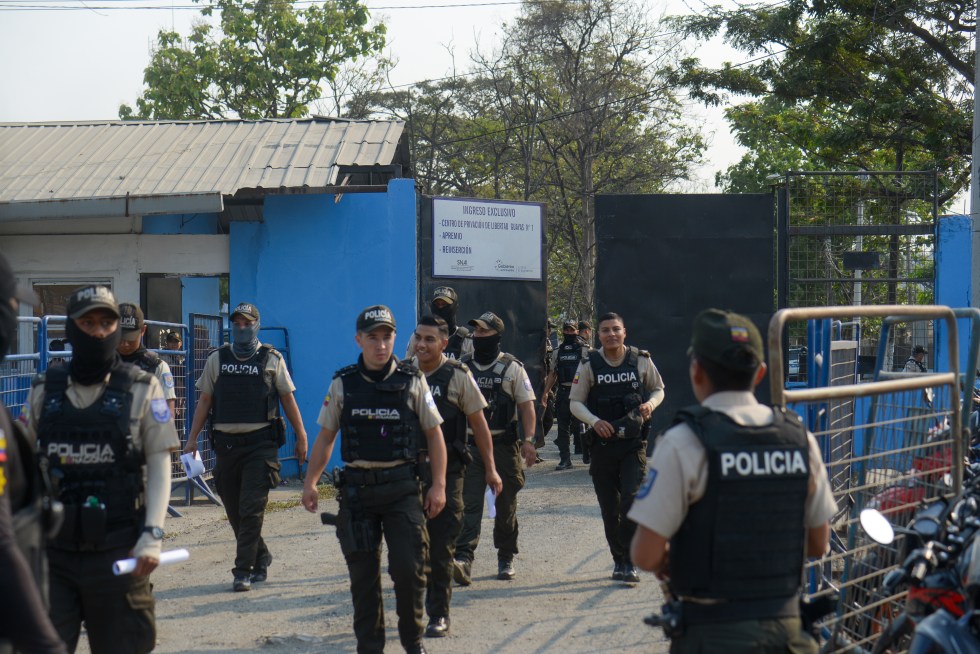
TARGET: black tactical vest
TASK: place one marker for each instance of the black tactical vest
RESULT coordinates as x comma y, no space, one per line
244,391
378,422
500,406
454,350
611,385
90,453
744,540
454,420
147,361
569,356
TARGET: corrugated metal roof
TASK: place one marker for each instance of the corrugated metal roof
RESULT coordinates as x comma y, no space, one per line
76,161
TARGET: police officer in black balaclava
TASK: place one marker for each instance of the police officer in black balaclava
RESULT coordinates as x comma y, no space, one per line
23,619
445,305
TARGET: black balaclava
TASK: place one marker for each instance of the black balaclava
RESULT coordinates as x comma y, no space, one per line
447,312
374,375
486,348
569,339
245,340
134,357
91,358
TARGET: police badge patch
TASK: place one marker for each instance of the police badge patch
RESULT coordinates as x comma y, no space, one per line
160,410
429,402
647,484
168,380
527,384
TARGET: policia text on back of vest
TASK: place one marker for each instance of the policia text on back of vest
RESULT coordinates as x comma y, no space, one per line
743,542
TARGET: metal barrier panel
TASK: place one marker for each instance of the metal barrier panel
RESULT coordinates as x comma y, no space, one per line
888,445
18,368
205,334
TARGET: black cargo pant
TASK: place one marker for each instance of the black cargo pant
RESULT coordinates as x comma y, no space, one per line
618,468
443,531
117,611
368,511
568,426
246,468
765,636
510,467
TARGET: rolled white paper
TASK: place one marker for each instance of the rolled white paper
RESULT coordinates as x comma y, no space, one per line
126,566
491,503
193,466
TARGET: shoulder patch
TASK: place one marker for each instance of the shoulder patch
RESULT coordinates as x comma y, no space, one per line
160,410
429,401
168,380
647,484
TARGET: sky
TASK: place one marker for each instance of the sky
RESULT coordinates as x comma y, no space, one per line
82,64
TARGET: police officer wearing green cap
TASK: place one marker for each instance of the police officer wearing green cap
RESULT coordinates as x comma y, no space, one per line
242,387
732,551
383,409
104,434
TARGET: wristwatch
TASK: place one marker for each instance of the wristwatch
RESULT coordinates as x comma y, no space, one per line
156,532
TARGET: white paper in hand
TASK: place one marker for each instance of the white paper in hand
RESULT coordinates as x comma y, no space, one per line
125,566
491,503
193,466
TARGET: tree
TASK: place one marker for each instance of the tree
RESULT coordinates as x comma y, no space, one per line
572,103
268,60
845,85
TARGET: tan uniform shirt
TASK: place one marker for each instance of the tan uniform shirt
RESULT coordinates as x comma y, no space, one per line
516,385
420,400
274,366
150,422
166,379
679,468
585,379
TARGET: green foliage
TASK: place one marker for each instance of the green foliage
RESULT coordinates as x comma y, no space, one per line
844,85
572,103
267,60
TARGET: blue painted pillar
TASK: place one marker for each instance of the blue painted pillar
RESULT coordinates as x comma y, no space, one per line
954,256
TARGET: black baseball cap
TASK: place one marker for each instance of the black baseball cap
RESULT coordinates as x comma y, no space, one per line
445,293
130,321
9,288
919,349
569,324
375,316
88,298
729,339
584,325
489,320
246,309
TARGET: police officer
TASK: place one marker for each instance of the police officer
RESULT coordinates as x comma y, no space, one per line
698,517
132,350
24,621
564,364
615,390
242,386
460,403
445,305
102,427
384,408
915,363
509,395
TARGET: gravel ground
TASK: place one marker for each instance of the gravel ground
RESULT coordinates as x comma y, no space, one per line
561,601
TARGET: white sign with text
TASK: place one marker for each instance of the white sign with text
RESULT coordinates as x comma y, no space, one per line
486,239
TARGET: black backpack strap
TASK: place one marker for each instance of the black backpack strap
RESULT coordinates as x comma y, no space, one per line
346,370
55,385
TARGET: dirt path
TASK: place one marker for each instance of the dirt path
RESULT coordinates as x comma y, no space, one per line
561,601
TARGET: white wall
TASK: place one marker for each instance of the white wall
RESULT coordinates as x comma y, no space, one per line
117,258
